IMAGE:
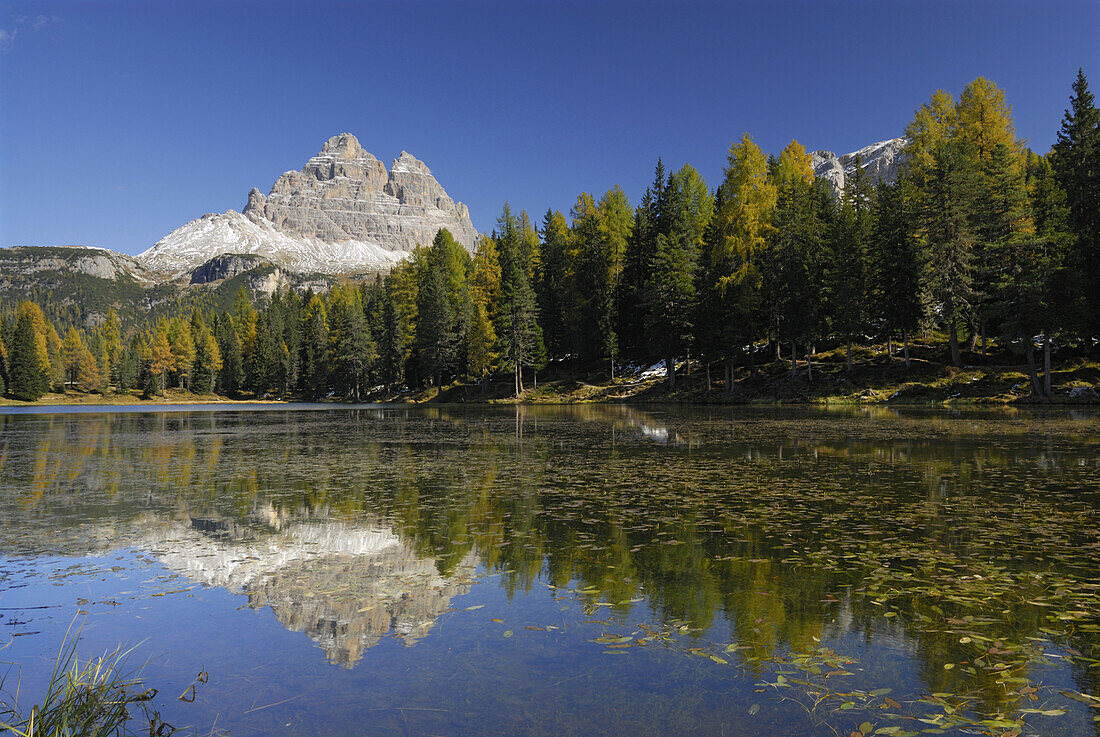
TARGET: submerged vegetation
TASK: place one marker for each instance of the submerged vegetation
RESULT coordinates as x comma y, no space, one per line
873,571
980,240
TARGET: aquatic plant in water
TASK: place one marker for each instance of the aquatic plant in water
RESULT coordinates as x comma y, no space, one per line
85,698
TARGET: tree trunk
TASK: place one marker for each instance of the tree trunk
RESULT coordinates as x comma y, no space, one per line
1047,390
535,378
794,360
670,369
905,337
984,340
956,358
708,377
809,366
515,378
1036,387
778,357
849,355
752,359
728,364
890,348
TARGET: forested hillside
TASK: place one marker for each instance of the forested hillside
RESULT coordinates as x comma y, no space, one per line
981,238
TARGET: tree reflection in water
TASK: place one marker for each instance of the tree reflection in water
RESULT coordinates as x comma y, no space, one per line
967,539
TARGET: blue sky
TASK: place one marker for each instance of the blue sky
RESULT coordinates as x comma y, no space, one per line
121,121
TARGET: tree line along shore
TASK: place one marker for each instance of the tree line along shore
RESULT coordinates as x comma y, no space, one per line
972,276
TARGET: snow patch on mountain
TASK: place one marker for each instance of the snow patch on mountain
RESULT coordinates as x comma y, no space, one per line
342,212
216,234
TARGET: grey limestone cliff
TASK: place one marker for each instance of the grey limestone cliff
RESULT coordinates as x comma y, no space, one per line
342,212
879,160
226,266
345,193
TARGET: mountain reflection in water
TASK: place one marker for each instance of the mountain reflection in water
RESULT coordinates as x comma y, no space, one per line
344,585
965,543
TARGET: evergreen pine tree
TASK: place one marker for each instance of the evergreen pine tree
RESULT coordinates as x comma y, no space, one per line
553,283
670,286
391,350
355,350
3,359
795,278
1035,292
314,348
899,266
1076,162
29,370
231,378
849,265
111,334
262,366
208,358
649,221
519,333
945,218
436,338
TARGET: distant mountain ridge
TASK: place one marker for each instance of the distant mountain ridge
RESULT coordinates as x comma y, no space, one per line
342,212
879,160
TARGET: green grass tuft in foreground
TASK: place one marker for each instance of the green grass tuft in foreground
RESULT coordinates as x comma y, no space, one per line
90,698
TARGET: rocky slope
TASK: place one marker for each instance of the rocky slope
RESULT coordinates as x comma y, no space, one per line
80,282
227,266
27,261
343,212
880,161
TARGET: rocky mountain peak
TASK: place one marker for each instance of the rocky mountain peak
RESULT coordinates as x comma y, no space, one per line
345,146
342,212
406,163
879,160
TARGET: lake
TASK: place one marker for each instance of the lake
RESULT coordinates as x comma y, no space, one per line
579,570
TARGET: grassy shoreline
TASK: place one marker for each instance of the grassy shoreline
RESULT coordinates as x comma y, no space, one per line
875,378
127,399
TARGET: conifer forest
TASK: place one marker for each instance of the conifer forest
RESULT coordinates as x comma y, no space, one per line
980,240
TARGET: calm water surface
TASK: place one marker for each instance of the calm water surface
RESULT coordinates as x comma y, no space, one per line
586,570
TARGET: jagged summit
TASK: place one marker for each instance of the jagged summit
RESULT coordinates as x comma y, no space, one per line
406,163
345,145
341,212
880,161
